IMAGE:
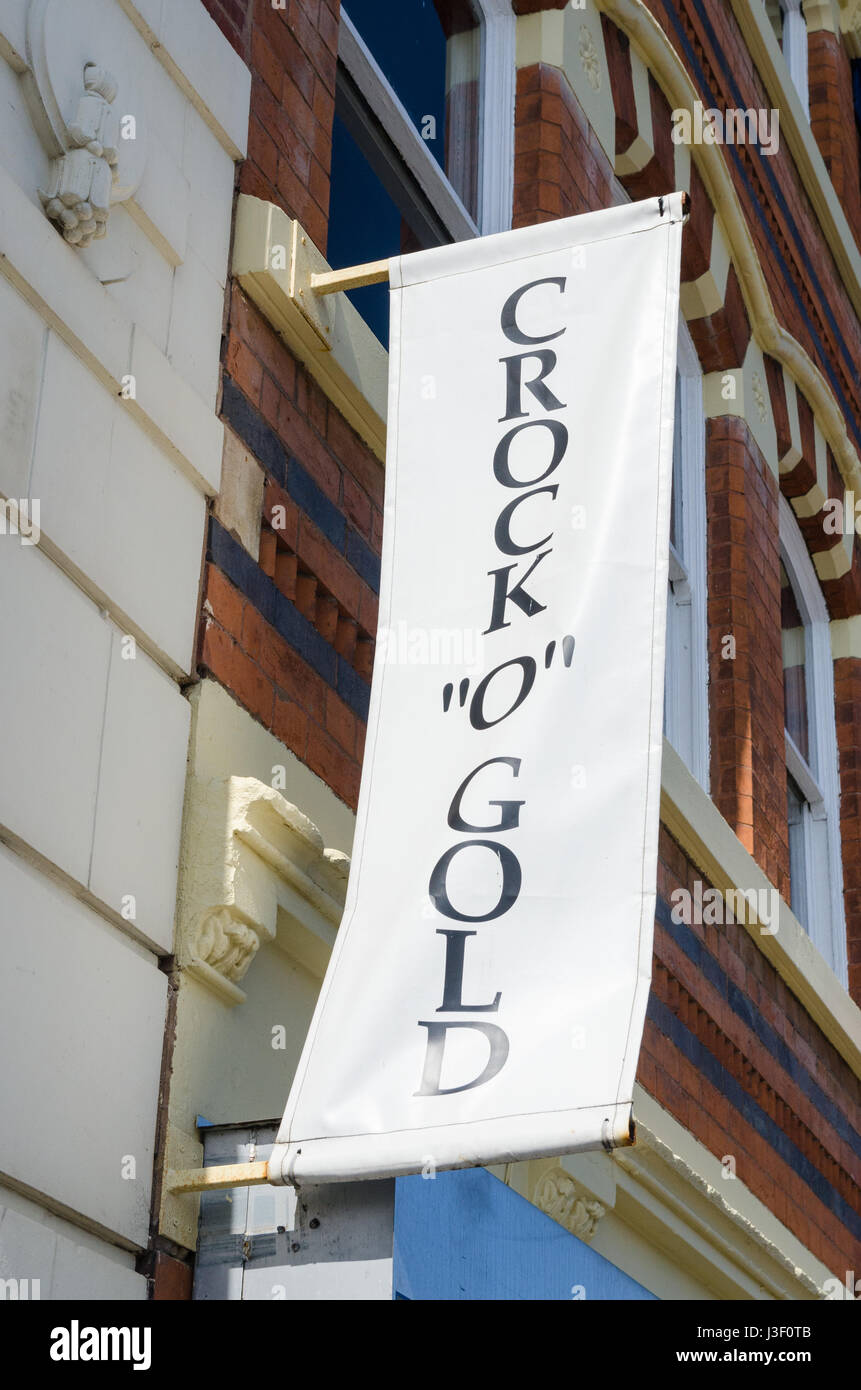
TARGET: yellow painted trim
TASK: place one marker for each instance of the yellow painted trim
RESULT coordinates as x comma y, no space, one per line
821,14
850,26
540,38
274,261
693,1180
354,372
795,129
642,147
794,454
750,402
810,503
682,166
846,637
642,28
668,1213
571,41
705,296
833,563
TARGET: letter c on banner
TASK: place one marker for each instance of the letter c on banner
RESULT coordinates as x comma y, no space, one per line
509,313
502,530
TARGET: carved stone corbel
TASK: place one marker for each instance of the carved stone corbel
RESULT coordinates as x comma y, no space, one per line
850,26
253,866
224,943
560,1197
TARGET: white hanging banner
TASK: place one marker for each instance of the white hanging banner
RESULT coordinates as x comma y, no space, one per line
486,995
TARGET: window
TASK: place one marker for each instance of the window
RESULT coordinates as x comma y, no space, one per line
430,55
423,145
812,784
686,673
790,27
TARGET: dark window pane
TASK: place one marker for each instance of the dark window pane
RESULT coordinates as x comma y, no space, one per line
794,670
795,805
430,52
677,502
365,224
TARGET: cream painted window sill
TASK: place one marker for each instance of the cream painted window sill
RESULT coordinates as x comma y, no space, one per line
273,260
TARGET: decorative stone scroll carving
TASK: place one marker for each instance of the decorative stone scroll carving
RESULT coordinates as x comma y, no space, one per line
850,25
759,396
559,1196
254,867
225,944
84,110
589,58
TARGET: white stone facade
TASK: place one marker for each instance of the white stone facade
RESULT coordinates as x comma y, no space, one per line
110,327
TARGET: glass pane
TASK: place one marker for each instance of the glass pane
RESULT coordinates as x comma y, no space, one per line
796,809
676,527
794,677
365,224
430,51
669,653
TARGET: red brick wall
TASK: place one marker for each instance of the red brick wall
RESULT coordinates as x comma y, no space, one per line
770,192
289,629
292,56
780,1119
832,119
560,168
847,695
731,1052
748,769
287,422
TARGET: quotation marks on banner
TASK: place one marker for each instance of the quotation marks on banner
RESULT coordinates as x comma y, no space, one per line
529,669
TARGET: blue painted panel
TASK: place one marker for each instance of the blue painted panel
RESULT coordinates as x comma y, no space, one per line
465,1235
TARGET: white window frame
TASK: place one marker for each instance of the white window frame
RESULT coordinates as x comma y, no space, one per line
686,714
794,46
496,123
818,779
